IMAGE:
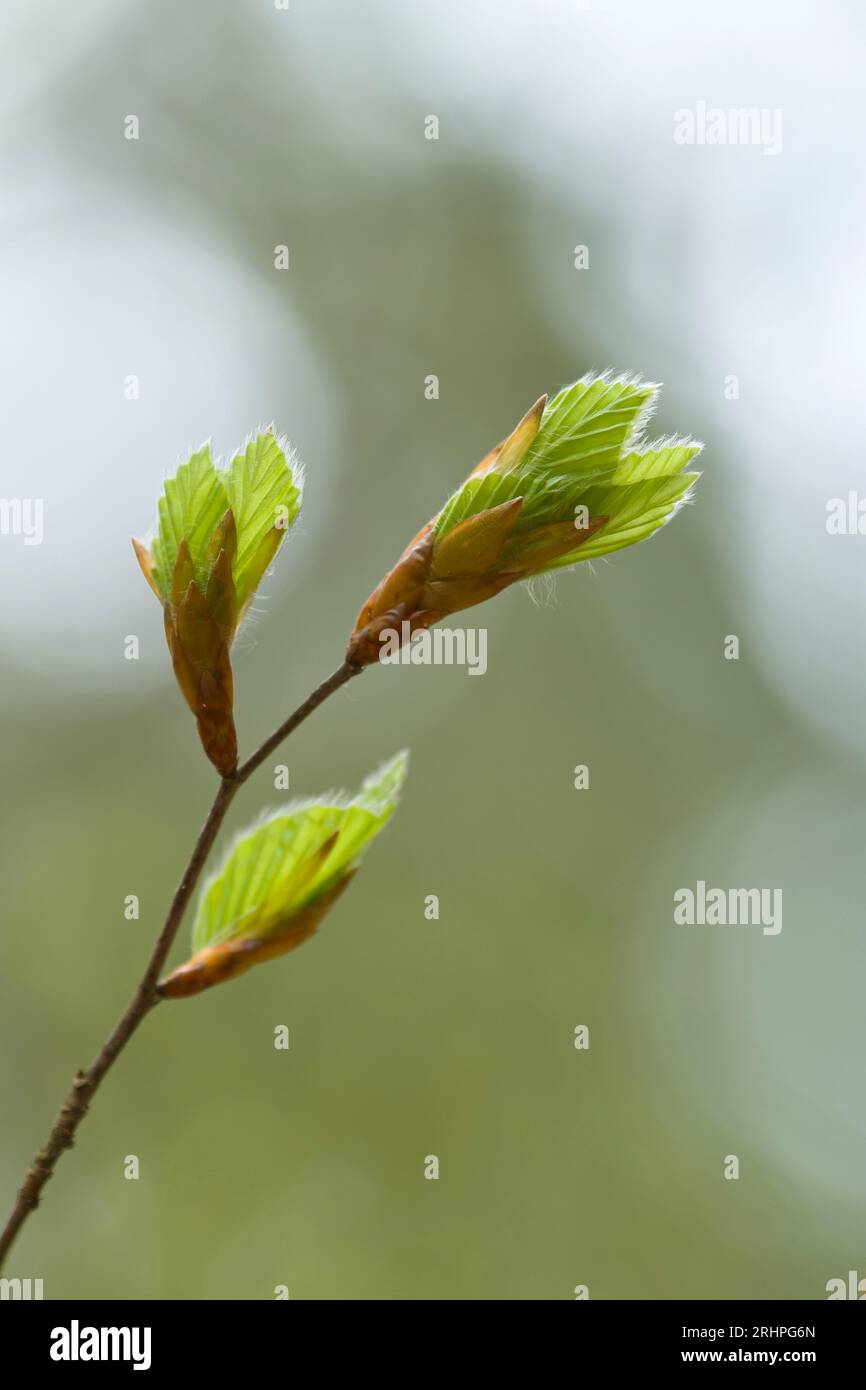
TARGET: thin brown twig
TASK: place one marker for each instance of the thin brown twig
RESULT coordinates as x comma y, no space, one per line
85,1084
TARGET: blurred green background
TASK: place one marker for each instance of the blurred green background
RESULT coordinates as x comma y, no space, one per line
455,257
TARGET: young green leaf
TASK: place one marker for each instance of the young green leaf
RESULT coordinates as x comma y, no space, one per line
586,425
280,878
190,509
265,497
579,436
642,494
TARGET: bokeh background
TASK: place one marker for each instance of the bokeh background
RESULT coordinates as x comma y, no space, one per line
455,257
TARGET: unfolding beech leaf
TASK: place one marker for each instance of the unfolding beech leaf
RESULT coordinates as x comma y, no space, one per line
584,431
218,533
265,497
190,509
572,481
586,425
644,492
280,879
580,434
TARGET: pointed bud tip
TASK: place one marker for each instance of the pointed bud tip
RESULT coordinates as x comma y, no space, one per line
146,565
